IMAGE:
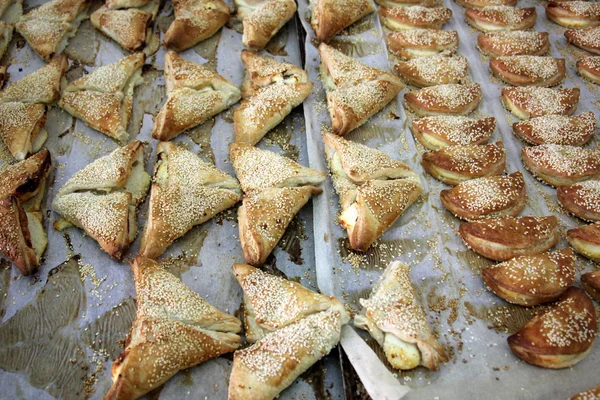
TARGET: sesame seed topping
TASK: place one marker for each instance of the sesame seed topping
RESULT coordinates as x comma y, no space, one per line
536,67
419,14
557,129
502,15
452,96
457,129
567,324
537,101
435,69
571,161
515,42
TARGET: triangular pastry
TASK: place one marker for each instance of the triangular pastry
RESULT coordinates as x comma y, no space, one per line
413,43
355,91
6,32
557,129
195,21
589,68
587,38
48,28
501,239
174,329
129,27
573,14
591,283
586,240
529,70
276,188
268,99
514,43
330,17
374,189
263,19
22,236
414,17
394,316
561,336
186,192
528,102
259,169
501,18
581,199
195,94
22,128
271,302
41,86
102,198
533,279
103,99
441,131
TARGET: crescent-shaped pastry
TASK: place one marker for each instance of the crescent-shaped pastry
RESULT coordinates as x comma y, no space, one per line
592,394
103,99
22,128
450,99
557,129
561,336
533,279
573,14
591,283
117,4
586,240
529,70
49,27
103,197
455,164
587,38
129,27
433,70
581,199
266,368
186,192
330,17
394,316
174,329
406,3
263,19
22,236
442,131
501,18
271,302
195,21
355,91
195,94
560,165
489,197
513,43
6,32
528,102
501,239
485,3
402,18
41,86
413,43
589,68
374,189
271,91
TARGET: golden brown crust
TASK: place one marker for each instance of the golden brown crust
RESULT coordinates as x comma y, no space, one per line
529,70
581,199
455,164
404,3
194,22
21,127
586,38
433,70
485,3
586,240
412,43
560,165
591,394
501,239
591,283
15,238
401,18
265,71
263,21
451,99
514,43
24,179
561,336
489,197
330,17
534,279
589,68
127,27
573,14
557,129
528,102
501,18
441,131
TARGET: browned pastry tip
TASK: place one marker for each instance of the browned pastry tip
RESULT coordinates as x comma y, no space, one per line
529,70
581,199
514,43
591,283
557,129
528,102
587,38
560,165
586,240
534,279
489,197
574,14
560,337
501,239
589,68
401,18
501,18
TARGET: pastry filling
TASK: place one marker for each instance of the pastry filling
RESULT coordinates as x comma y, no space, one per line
39,241
349,217
400,354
